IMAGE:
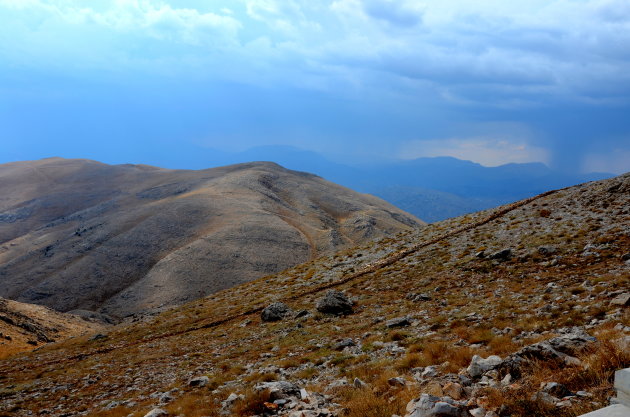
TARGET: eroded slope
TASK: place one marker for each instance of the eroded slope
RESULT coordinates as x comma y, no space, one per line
78,234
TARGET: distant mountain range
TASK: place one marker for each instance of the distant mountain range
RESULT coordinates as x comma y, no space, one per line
432,189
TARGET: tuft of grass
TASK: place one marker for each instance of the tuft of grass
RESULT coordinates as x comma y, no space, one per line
191,404
367,403
397,336
253,403
411,360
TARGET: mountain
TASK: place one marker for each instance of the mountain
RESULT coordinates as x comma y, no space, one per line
78,234
516,311
432,189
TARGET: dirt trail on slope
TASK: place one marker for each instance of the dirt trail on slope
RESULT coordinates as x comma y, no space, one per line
369,268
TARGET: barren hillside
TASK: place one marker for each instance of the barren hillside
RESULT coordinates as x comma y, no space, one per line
78,234
26,326
542,284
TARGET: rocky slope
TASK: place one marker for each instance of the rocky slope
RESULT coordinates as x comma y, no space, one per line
78,234
26,326
517,311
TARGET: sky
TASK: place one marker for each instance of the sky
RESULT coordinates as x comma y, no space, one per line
492,81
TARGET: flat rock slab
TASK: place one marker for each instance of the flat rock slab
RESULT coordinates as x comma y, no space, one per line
622,300
617,410
622,386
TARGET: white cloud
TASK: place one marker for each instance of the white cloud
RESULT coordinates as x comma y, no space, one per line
487,151
470,51
142,17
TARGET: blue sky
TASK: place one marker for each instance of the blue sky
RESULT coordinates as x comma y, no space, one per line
357,80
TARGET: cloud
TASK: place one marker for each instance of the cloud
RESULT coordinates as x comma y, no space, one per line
559,50
63,25
486,53
417,66
487,151
394,12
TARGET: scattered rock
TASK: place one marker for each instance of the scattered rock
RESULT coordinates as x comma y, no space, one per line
156,412
274,312
397,381
560,348
98,336
545,398
479,366
547,250
279,389
200,381
555,389
344,343
398,322
433,388
478,412
502,255
418,297
229,401
301,313
338,383
453,390
166,398
357,383
430,372
622,300
336,303
431,406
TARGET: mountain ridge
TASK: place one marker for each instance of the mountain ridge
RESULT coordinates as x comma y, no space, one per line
144,228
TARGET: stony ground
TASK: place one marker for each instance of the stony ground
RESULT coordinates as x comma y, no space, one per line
515,311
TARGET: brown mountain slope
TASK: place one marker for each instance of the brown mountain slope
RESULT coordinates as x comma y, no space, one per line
25,326
78,234
459,291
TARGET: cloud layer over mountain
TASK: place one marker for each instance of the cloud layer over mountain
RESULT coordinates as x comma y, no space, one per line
367,77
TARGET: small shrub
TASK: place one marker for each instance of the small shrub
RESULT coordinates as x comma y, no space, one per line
411,360
253,404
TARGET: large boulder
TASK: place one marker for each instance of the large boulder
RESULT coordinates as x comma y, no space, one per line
502,255
398,322
334,302
279,389
156,412
200,381
479,366
430,406
275,312
622,300
561,349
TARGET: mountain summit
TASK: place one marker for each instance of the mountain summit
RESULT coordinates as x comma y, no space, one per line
78,234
